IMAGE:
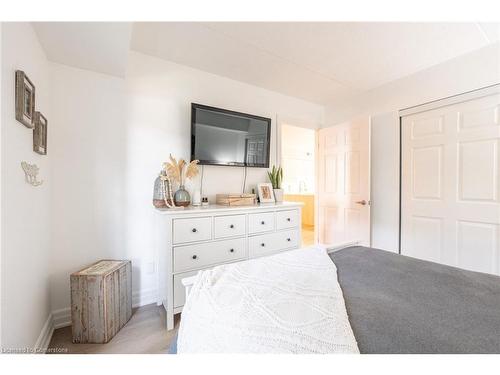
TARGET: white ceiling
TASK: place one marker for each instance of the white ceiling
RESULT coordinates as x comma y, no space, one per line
99,46
318,62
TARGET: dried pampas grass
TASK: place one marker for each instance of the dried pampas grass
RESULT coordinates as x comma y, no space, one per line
175,169
192,169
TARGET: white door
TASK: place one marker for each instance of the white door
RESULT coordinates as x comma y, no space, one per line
451,185
344,183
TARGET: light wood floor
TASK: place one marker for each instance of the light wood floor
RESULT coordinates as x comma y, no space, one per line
307,235
144,333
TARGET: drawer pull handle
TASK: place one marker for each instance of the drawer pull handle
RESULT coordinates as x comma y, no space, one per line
262,244
194,230
231,226
195,257
287,219
231,251
288,239
262,222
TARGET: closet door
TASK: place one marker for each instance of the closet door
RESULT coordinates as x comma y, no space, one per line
451,185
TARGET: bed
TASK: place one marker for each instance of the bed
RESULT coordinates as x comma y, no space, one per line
398,304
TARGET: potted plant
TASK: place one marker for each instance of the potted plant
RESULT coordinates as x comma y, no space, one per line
276,178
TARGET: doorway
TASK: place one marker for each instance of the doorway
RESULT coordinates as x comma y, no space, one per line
298,159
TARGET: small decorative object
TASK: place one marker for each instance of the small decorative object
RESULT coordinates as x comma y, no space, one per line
204,201
162,194
196,198
179,172
31,173
25,99
101,300
235,199
276,178
265,192
40,134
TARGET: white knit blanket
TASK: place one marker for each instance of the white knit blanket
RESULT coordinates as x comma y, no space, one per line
285,303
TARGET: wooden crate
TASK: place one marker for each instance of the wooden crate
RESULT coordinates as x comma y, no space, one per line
101,300
235,199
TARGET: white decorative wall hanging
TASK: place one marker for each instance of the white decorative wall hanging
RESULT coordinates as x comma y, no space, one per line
31,173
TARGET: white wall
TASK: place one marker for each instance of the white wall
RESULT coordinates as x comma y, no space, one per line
25,209
90,205
385,181
468,72
110,138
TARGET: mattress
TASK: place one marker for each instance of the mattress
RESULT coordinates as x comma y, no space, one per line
398,304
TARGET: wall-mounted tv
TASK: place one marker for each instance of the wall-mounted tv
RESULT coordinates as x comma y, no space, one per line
223,137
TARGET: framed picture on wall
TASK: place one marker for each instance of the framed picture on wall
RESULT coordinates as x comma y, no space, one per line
266,194
40,134
25,99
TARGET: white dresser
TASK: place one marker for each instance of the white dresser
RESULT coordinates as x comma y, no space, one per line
198,238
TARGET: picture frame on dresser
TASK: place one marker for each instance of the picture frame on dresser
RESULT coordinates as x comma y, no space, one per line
197,239
266,193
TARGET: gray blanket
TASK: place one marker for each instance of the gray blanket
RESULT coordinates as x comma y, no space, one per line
398,304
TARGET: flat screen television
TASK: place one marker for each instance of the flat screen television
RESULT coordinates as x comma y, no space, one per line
223,137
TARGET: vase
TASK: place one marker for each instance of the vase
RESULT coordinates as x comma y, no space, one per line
181,197
159,193
278,195
196,198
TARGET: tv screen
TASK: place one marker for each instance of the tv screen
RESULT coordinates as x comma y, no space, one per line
222,137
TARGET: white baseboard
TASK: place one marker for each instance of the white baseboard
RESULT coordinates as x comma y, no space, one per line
144,297
43,341
62,317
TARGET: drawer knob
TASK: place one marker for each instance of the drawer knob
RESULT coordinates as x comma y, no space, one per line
262,222
262,244
287,219
231,251
231,226
195,257
194,230
288,239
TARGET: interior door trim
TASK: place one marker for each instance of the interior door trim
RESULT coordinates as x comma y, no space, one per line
450,100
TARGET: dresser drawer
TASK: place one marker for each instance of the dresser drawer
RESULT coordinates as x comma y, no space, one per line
193,229
261,222
272,242
201,255
287,219
230,226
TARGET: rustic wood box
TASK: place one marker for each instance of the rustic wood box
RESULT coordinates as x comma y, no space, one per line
101,300
235,199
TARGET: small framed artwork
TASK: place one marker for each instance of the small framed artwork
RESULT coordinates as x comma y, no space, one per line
40,134
25,99
266,194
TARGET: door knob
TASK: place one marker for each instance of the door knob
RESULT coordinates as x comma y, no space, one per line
363,202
